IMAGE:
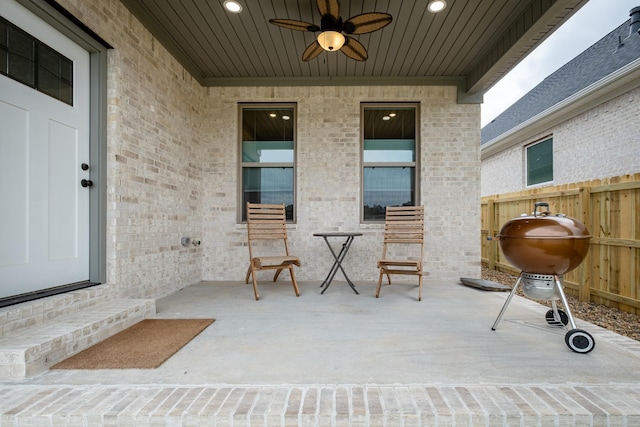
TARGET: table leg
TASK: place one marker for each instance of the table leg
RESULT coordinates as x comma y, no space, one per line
337,264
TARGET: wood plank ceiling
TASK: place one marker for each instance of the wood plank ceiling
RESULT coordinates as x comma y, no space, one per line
471,43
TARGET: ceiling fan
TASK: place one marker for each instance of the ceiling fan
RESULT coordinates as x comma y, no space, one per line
332,27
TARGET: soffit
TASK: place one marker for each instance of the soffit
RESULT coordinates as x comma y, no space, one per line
472,43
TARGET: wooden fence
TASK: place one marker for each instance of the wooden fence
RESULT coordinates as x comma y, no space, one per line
610,273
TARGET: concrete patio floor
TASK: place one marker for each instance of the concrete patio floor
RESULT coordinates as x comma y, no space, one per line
347,359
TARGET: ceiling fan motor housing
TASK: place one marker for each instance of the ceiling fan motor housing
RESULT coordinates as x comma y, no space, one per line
330,23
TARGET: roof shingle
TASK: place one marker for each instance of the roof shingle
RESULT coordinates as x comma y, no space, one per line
609,54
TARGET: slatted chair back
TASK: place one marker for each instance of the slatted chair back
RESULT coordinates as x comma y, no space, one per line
268,222
404,228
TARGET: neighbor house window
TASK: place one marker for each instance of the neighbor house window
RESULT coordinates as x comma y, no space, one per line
389,153
540,162
268,156
29,61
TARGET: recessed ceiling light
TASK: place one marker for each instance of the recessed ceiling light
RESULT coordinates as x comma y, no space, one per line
392,114
233,6
285,117
385,118
436,6
272,115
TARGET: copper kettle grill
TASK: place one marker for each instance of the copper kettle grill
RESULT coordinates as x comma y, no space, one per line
544,247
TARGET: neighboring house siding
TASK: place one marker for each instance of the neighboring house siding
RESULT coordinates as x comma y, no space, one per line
173,158
503,173
602,142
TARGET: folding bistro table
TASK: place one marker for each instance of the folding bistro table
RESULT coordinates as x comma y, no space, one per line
338,258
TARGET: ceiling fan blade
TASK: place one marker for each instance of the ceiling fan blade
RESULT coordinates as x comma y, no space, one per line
329,7
354,49
294,25
313,50
366,23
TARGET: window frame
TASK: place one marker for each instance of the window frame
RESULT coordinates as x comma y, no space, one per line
415,164
242,165
549,139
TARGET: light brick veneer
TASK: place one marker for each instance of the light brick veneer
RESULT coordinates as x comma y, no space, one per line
329,173
172,169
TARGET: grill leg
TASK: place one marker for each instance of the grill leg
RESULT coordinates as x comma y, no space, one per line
506,303
564,301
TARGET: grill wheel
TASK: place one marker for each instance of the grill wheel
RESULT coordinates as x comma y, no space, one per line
579,341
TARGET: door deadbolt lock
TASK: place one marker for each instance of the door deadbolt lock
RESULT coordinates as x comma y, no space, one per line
86,183
84,167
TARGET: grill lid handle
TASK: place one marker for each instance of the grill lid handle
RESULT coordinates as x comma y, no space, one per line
539,204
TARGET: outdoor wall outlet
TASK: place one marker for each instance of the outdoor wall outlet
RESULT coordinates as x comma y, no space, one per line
185,241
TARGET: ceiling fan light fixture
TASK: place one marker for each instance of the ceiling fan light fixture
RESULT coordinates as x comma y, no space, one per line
233,6
331,40
436,6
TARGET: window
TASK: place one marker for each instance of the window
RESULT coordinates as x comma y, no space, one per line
389,148
540,162
29,61
268,156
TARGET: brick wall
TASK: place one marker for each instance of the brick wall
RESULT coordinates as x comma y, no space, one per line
329,176
599,143
155,142
172,169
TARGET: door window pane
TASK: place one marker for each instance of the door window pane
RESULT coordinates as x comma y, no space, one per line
21,56
31,62
54,74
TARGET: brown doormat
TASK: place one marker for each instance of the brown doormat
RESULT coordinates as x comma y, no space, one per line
145,345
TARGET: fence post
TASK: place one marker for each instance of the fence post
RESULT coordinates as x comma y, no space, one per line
491,251
584,291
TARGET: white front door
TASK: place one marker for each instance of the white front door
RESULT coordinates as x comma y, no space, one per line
44,210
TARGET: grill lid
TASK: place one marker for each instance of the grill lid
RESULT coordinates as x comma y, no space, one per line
544,225
543,243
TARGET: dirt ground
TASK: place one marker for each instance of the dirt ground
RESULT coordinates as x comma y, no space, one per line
623,323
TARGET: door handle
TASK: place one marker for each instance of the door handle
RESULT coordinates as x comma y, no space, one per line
86,183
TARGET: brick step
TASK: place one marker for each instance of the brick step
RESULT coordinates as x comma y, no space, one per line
27,314
32,350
